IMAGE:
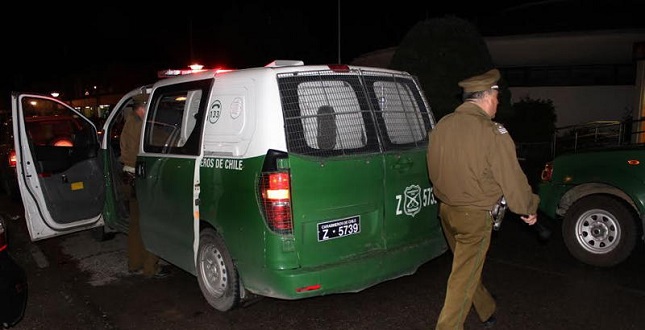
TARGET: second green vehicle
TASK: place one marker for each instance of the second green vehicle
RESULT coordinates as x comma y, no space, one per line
597,189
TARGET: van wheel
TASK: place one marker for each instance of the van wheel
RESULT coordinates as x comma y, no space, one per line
216,273
599,231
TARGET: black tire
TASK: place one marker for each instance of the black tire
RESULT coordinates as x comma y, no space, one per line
600,231
216,273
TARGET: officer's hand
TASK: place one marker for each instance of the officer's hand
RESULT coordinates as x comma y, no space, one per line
127,178
531,219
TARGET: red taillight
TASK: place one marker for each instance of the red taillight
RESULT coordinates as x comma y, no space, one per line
279,184
547,172
12,158
276,198
3,236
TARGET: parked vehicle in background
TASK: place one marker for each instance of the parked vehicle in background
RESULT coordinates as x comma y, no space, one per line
46,130
8,181
598,191
287,181
13,283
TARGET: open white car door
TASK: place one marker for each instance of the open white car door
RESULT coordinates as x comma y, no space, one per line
59,166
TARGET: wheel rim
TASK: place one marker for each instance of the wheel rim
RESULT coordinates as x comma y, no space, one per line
213,271
598,231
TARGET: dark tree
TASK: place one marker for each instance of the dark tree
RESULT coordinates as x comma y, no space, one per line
533,120
441,52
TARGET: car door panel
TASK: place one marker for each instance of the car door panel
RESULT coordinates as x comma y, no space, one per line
59,170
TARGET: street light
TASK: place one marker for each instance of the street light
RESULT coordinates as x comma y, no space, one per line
55,94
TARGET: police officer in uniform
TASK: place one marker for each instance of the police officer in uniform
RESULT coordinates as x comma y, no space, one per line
140,260
472,163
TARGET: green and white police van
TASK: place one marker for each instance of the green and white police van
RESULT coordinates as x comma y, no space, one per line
286,181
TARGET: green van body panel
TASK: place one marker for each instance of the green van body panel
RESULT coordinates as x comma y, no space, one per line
165,195
347,275
229,203
114,213
354,191
410,207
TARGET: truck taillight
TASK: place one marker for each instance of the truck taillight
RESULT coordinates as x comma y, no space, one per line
12,158
276,201
547,172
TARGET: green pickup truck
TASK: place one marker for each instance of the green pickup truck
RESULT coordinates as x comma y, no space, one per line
595,184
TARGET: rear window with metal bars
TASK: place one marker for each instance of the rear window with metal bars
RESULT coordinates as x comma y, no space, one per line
328,113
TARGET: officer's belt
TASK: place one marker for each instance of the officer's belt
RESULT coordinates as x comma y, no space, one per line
466,207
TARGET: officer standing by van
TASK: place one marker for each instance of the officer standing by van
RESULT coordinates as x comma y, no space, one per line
140,260
472,163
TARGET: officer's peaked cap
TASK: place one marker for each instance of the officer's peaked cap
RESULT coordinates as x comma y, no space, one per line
481,82
140,99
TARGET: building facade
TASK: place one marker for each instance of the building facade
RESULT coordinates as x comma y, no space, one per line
589,76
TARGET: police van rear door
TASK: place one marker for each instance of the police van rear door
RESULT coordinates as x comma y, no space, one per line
353,192
336,167
403,119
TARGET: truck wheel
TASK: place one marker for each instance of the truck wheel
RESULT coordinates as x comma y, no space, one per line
216,273
599,231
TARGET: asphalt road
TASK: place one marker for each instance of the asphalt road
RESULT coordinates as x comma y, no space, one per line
78,283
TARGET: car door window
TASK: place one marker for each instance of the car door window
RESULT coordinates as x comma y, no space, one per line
174,120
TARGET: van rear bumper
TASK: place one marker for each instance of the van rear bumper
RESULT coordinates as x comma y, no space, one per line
352,275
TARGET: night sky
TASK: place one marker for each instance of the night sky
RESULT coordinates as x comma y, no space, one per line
45,46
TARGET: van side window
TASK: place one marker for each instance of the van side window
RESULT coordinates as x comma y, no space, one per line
174,120
189,117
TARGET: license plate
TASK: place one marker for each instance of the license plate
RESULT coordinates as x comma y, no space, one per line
339,228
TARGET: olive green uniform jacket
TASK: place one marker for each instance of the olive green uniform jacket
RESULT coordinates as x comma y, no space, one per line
129,139
472,162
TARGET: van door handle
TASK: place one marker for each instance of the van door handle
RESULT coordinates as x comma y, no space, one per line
140,169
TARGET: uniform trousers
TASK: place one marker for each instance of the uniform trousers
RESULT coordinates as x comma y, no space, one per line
139,258
468,233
